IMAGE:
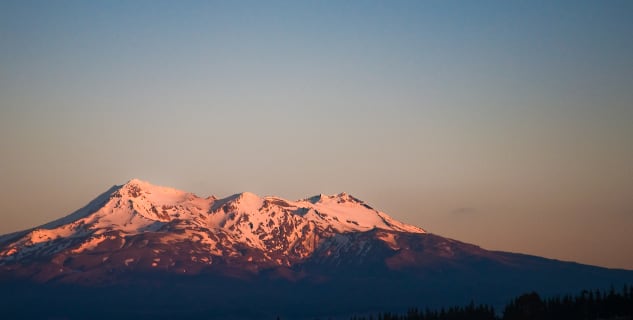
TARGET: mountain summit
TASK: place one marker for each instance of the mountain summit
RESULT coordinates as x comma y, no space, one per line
263,230
157,252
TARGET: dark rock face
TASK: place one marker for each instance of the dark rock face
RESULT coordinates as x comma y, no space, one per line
140,251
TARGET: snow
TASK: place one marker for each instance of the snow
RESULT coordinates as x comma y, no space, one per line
246,218
90,244
157,195
389,239
44,235
244,213
344,213
11,251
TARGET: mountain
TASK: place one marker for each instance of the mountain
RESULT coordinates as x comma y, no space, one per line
147,251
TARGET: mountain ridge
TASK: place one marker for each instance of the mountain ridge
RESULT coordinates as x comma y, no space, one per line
262,229
318,256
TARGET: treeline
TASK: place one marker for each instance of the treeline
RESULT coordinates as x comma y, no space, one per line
470,312
587,305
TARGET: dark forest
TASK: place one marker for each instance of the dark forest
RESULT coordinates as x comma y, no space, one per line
587,305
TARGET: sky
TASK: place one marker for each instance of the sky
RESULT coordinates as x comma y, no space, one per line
507,124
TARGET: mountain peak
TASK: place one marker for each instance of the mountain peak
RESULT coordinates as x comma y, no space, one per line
248,201
348,197
137,182
342,197
243,221
136,188
247,196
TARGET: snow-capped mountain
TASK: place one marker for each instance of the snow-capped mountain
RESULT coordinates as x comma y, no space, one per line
147,251
264,231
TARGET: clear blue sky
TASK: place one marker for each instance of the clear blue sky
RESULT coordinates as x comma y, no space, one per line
508,124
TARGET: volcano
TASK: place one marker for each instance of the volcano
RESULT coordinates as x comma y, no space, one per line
144,251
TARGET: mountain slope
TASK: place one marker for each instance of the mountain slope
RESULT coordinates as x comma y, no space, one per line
243,228
153,251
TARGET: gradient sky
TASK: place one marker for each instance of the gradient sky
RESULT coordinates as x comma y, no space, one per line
507,124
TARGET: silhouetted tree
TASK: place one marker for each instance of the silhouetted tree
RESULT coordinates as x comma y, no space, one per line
589,305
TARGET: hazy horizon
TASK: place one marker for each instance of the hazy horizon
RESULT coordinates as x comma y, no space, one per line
507,125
